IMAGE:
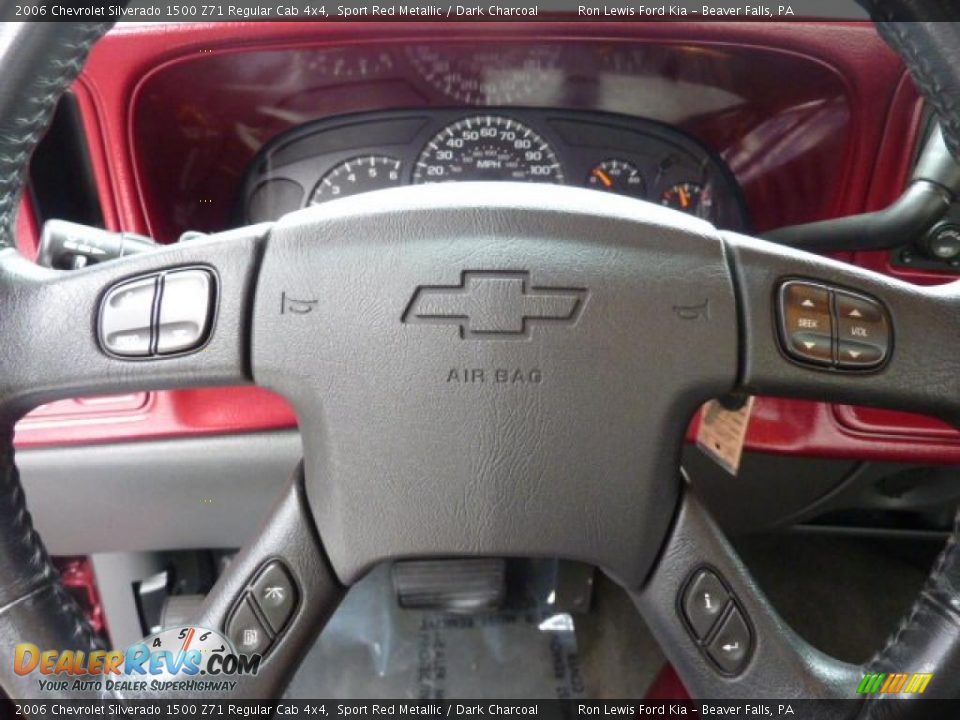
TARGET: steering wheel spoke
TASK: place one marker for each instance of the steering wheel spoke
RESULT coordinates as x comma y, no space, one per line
275,596
718,629
53,349
130,324
819,329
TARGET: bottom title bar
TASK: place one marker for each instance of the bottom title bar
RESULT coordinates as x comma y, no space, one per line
549,709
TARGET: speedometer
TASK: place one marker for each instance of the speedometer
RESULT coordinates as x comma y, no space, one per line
487,147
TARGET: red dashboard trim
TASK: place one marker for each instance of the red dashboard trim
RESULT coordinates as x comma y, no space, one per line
886,110
28,231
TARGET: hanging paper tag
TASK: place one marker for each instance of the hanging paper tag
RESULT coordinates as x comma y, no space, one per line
722,433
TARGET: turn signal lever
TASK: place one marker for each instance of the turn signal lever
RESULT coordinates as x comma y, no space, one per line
70,246
933,187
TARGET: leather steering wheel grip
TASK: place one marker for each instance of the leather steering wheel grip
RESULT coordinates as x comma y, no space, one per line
34,604
927,639
39,63
932,54
929,44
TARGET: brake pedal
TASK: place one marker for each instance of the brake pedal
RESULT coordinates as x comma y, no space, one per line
455,585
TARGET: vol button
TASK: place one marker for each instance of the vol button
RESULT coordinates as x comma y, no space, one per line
863,333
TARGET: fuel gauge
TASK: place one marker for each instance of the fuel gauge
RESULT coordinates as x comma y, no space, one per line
688,197
618,176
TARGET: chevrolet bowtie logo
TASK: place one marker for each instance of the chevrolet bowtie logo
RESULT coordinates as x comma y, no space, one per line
494,304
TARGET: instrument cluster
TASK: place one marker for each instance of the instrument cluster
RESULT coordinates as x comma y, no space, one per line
334,158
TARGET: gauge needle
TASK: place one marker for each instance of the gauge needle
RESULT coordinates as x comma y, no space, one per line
684,198
186,642
603,177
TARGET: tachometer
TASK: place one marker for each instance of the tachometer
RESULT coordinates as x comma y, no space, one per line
487,147
357,175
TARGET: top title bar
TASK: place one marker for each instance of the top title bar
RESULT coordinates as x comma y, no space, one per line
442,10
432,10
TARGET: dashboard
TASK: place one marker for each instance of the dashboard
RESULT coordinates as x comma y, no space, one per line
815,120
219,97
334,158
200,127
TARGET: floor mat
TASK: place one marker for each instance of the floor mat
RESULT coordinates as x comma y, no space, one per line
372,649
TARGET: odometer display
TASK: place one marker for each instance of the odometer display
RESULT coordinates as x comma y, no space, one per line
487,147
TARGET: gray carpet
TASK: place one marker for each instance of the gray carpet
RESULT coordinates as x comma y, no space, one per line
843,594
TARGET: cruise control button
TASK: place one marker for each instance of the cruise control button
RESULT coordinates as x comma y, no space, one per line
806,324
184,310
125,318
275,595
730,647
703,602
245,631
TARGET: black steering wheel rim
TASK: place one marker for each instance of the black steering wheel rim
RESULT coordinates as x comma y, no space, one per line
41,60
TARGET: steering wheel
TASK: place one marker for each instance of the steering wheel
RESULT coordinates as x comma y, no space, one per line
481,369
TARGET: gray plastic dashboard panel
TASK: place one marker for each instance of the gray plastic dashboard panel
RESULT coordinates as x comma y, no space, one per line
203,492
